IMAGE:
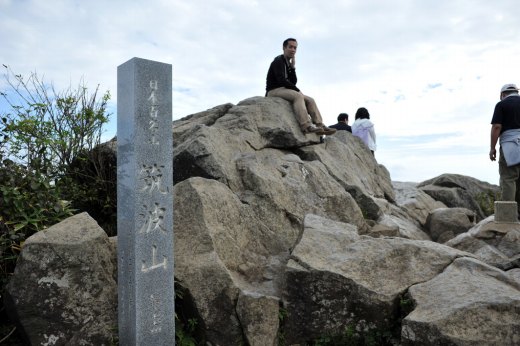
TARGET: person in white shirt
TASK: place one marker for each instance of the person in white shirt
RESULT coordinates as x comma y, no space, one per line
364,129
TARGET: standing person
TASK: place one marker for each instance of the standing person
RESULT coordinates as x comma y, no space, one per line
281,82
364,128
505,125
342,123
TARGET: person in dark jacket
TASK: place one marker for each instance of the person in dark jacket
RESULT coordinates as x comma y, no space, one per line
281,82
342,123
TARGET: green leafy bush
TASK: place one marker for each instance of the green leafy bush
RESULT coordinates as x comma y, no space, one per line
28,204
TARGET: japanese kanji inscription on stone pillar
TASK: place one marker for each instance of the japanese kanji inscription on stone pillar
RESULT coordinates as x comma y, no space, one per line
145,203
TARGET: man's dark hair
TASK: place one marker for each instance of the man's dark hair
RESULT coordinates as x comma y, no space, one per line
342,117
286,42
362,113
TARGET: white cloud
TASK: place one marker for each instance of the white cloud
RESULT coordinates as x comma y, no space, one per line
422,68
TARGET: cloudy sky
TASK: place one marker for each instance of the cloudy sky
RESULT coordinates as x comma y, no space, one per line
428,71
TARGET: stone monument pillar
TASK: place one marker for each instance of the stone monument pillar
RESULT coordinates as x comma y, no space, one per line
145,204
506,212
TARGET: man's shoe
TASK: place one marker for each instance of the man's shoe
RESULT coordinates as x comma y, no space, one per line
314,129
328,130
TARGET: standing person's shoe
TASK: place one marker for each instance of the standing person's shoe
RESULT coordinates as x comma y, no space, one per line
327,130
314,129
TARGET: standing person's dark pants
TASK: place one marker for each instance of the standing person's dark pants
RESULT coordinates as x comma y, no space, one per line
509,179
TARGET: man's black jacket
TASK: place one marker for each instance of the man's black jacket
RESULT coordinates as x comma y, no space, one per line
281,74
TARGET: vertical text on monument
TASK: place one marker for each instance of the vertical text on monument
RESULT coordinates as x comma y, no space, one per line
145,204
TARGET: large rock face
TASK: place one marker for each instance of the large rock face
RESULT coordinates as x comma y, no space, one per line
282,236
470,303
415,202
497,244
456,190
444,224
63,289
353,280
216,144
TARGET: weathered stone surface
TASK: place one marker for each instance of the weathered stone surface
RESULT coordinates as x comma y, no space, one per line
444,224
113,250
497,244
208,145
417,204
210,218
354,167
454,198
396,217
384,230
353,280
506,211
240,244
282,188
406,217
408,214
457,190
259,318
212,237
473,186
470,303
250,130
63,290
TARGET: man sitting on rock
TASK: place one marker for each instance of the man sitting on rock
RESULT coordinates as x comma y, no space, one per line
281,82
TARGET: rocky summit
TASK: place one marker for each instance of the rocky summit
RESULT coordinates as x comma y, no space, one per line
283,238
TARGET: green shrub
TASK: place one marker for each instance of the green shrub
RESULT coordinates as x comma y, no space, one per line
28,204
486,201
